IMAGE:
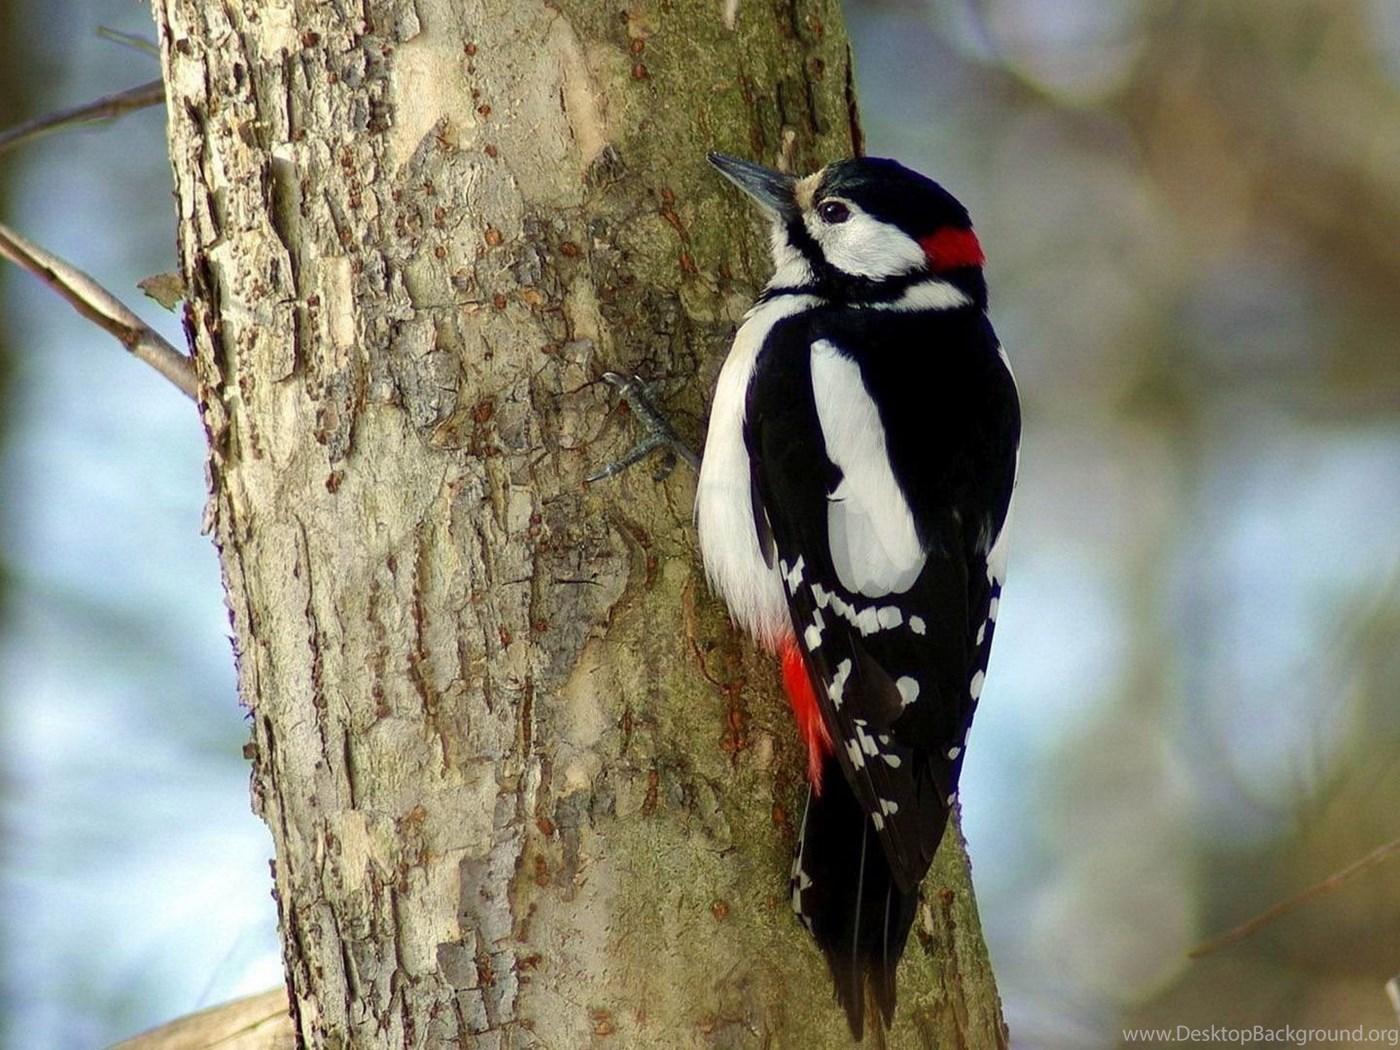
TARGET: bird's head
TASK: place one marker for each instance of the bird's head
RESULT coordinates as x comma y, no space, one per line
866,229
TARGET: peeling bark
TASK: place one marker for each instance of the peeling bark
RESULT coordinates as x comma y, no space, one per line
526,786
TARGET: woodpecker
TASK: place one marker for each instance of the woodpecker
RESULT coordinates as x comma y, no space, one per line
852,508
852,511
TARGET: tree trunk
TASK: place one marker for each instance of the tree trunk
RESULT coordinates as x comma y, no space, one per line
526,786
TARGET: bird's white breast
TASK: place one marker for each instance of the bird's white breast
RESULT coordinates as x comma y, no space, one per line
724,511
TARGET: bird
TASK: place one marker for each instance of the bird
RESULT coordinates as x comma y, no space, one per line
852,509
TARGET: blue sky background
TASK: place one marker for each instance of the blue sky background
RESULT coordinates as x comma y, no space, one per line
134,878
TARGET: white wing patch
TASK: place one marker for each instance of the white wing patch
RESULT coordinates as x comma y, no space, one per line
908,690
874,546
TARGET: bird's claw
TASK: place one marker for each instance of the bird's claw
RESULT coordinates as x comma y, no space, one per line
659,432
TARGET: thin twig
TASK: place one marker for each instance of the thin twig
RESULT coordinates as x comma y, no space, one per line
1328,884
102,308
132,40
105,108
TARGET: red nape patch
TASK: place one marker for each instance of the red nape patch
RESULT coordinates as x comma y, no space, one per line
951,248
803,698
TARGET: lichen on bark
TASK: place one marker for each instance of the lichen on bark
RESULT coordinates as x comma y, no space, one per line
526,786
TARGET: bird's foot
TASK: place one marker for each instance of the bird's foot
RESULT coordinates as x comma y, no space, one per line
659,434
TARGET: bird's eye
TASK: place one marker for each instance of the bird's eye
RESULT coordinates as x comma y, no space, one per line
833,212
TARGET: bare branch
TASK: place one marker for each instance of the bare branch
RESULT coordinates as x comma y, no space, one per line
105,108
102,308
132,40
1328,884
256,1022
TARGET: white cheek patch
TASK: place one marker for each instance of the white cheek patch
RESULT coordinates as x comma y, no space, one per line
790,267
875,548
864,246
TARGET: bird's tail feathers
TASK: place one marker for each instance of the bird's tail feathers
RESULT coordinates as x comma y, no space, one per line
849,900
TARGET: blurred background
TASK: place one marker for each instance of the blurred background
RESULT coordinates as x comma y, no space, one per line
1192,213
133,877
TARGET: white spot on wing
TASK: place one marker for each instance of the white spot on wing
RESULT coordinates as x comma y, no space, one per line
874,546
975,689
908,689
954,752
916,624
853,751
867,621
813,634
838,682
794,575
867,742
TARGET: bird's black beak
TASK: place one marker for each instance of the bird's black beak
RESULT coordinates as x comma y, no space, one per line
772,189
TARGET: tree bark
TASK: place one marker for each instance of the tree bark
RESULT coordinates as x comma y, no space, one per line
525,784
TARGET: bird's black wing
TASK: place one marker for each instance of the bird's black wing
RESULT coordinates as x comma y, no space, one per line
895,634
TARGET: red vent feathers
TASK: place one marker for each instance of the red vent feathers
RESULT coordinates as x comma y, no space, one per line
804,707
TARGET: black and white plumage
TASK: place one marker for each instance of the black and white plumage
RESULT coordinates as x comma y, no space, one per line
852,510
